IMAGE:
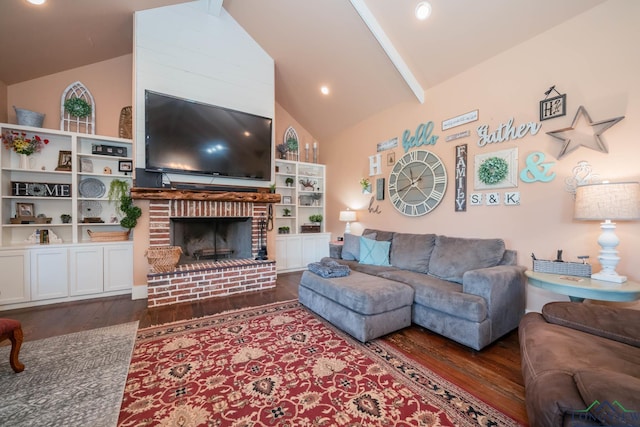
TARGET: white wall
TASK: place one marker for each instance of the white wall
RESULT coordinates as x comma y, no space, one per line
183,51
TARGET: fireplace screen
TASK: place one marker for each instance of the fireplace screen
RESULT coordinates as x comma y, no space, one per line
212,238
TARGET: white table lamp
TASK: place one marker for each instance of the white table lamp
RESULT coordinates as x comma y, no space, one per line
608,201
348,217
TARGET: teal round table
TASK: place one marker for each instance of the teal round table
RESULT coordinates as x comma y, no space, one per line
581,288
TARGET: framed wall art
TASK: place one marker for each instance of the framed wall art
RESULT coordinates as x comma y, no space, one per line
125,166
498,169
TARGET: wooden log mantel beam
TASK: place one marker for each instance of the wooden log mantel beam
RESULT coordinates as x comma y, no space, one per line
174,194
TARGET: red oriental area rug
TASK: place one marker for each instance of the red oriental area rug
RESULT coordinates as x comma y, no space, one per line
281,365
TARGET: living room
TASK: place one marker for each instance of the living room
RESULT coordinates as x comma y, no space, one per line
506,87
586,57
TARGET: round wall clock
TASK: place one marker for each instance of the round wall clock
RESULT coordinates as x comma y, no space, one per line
417,183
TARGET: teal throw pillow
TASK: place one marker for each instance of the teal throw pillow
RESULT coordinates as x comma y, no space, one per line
374,252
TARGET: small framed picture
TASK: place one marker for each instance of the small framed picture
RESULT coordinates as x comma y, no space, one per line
125,166
64,161
391,158
86,165
286,200
25,209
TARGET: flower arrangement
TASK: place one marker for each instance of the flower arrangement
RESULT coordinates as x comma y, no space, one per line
18,142
365,184
77,107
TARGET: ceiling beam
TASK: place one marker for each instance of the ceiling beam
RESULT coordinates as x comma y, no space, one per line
389,49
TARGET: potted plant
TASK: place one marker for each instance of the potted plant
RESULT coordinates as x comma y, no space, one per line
272,188
286,212
366,185
119,194
283,230
316,218
65,218
282,150
288,181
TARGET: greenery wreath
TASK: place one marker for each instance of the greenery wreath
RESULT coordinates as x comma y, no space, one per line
493,170
77,107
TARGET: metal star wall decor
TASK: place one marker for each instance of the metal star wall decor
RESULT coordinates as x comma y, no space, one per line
583,134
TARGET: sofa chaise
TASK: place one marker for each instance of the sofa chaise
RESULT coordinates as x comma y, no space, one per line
581,365
469,290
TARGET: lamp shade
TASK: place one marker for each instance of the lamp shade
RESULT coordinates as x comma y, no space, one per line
347,216
613,201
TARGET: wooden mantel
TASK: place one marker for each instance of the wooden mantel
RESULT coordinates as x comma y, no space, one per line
175,194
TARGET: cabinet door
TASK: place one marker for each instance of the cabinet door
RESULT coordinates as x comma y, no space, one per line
118,267
49,273
314,248
14,286
86,270
288,253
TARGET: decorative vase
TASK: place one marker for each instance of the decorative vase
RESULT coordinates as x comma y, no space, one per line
24,161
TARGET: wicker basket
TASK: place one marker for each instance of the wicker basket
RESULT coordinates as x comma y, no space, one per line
108,236
163,258
568,268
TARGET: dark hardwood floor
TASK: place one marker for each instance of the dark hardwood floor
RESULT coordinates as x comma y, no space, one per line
493,374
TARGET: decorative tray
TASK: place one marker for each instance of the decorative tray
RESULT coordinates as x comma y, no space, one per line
91,187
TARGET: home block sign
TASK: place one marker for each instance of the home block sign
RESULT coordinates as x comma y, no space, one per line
40,189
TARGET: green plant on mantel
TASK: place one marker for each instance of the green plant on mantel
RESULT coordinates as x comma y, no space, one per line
119,194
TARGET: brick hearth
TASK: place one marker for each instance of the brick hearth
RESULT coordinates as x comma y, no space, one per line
206,279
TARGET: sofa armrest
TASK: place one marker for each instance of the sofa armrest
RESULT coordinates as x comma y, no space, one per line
619,324
503,287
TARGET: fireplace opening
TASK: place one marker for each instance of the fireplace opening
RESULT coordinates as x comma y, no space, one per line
212,238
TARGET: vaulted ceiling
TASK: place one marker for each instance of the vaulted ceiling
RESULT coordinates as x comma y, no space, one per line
313,43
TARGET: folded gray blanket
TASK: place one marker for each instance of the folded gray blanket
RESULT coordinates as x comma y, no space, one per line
328,268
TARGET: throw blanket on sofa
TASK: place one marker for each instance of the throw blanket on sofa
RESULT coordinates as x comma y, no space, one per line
329,268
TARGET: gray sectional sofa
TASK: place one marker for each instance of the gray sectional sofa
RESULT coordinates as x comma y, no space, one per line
469,290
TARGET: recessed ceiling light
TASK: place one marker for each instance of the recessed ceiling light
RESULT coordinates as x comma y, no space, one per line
324,90
38,2
423,10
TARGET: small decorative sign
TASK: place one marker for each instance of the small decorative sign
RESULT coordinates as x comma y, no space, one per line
492,199
475,199
40,189
462,119
380,189
461,178
458,135
553,107
537,169
512,198
375,164
388,144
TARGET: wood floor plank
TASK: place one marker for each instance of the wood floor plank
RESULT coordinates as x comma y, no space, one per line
493,374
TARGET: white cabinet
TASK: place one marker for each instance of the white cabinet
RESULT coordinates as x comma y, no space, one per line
295,252
49,188
15,283
49,273
86,263
118,267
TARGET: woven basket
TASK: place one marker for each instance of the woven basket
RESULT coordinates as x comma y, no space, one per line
568,268
29,118
163,258
108,236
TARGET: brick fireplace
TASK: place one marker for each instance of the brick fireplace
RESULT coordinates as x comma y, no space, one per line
206,278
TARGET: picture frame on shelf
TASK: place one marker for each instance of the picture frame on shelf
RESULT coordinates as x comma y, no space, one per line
286,200
64,161
25,210
391,158
125,166
86,165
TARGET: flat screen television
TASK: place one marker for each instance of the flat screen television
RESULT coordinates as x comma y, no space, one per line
188,137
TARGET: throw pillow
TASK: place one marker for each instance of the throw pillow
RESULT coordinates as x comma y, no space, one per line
351,246
374,252
412,251
453,256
